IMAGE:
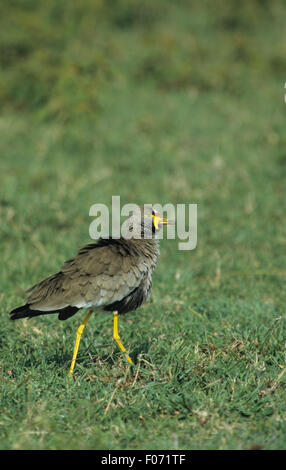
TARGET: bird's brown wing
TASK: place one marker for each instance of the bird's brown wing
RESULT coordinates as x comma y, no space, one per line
100,274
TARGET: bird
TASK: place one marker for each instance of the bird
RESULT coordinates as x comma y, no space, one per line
112,275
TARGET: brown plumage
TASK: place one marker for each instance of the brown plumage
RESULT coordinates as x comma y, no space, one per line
112,275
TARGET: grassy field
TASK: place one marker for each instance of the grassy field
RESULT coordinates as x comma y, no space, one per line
179,102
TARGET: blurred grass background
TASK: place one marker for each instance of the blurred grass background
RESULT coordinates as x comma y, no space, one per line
157,102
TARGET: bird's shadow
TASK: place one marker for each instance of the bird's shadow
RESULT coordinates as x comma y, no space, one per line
91,354
116,354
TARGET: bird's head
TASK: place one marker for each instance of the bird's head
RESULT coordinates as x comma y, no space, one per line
145,222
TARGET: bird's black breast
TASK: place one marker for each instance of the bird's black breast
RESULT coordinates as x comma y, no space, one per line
132,301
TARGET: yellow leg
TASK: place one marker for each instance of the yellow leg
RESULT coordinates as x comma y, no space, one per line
77,341
116,336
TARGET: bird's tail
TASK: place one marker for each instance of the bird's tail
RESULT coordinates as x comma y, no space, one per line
26,312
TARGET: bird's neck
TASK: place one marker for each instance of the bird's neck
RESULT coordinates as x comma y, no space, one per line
148,248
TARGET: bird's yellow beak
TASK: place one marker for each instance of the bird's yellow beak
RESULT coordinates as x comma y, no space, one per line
158,220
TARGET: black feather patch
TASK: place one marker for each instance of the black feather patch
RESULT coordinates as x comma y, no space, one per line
131,302
26,312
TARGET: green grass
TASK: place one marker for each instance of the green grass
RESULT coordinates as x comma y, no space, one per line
180,103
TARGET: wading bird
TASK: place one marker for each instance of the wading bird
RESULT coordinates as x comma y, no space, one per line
113,275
